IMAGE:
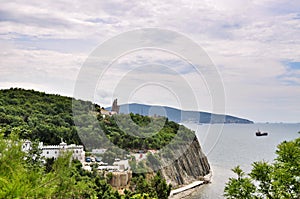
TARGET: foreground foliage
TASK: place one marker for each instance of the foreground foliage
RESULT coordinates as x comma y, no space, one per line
25,176
21,179
280,179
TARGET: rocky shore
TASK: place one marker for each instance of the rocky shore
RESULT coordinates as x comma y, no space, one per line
186,190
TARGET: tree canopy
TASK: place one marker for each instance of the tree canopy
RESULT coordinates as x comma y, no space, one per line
20,177
49,117
37,116
280,179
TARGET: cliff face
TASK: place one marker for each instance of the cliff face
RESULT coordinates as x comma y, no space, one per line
192,165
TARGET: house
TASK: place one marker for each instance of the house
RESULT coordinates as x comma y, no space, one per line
53,151
98,151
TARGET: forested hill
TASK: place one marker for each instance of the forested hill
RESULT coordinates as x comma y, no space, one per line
48,118
38,115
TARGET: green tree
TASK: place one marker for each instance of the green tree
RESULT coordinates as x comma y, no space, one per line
240,187
20,177
17,178
160,186
141,196
280,179
109,157
155,187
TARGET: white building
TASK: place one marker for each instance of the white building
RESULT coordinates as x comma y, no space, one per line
98,151
122,164
53,151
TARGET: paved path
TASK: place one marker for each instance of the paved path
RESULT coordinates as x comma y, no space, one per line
187,187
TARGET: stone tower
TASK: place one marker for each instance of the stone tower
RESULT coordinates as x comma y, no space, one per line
115,107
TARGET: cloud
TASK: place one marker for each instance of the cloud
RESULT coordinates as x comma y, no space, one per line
43,45
43,68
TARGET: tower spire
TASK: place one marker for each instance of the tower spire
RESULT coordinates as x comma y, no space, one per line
115,107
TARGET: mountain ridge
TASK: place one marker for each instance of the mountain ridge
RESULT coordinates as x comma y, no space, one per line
178,115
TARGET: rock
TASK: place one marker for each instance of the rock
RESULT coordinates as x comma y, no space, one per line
191,166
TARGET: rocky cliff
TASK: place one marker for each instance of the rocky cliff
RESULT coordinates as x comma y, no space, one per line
190,166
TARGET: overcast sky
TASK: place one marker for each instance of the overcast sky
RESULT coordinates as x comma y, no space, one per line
254,44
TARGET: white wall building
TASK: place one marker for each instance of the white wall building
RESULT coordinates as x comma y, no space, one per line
98,151
53,151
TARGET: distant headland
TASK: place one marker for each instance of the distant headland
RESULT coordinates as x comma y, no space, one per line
180,116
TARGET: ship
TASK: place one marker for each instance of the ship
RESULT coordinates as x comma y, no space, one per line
259,133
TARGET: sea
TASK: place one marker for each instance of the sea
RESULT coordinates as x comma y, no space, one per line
229,145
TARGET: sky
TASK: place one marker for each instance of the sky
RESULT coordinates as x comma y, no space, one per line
254,46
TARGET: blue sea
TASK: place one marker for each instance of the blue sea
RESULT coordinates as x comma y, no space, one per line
229,145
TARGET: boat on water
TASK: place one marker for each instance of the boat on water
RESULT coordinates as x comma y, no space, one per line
259,133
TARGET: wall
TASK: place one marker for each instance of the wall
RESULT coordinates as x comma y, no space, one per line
121,179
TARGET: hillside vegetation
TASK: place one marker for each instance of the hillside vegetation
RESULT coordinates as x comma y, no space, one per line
38,115
23,176
48,118
28,114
